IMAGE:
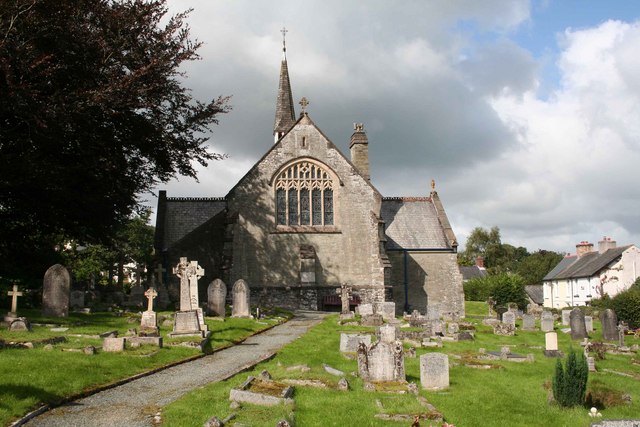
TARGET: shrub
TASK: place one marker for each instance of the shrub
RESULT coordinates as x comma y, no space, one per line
570,383
477,289
503,288
627,306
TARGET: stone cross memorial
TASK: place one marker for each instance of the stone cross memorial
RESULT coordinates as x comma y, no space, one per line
216,298
149,320
150,294
190,318
56,288
14,294
345,293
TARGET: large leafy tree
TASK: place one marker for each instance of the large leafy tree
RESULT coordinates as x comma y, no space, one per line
498,257
93,113
534,267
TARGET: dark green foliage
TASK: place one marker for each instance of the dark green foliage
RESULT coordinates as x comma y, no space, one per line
626,305
534,267
498,257
477,289
94,113
503,288
570,383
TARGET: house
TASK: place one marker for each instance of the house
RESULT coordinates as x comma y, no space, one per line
476,271
306,218
588,274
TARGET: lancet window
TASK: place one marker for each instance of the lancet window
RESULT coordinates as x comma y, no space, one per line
304,195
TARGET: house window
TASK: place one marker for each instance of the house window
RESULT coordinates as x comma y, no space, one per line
304,196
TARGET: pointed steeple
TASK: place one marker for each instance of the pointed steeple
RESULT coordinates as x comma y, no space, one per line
285,113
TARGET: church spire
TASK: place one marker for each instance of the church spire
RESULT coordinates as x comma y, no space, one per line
285,113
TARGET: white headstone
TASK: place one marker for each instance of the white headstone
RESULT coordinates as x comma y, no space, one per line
240,299
551,341
434,371
216,298
509,317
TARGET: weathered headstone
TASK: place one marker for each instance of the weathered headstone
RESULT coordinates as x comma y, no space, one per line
149,319
186,323
387,333
241,299
216,298
14,294
113,344
190,315
577,324
434,371
365,309
509,318
344,292
622,329
387,309
546,322
381,362
349,343
609,325
588,322
55,292
551,344
566,317
528,322
591,363
76,299
20,324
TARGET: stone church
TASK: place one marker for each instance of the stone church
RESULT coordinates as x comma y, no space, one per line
306,219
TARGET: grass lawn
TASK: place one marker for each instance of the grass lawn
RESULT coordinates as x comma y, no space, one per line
508,394
32,377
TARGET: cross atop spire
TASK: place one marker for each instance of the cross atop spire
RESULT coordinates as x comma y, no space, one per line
284,32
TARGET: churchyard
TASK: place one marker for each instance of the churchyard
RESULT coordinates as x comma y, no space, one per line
62,358
507,383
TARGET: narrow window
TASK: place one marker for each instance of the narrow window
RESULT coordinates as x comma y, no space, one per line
316,195
304,207
281,206
328,207
293,206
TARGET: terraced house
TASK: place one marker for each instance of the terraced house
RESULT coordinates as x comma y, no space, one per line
589,274
306,219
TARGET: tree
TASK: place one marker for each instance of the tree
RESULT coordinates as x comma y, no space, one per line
498,257
93,114
570,383
534,267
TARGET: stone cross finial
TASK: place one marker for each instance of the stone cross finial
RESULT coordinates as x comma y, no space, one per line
159,270
14,298
433,185
284,32
304,102
150,294
358,127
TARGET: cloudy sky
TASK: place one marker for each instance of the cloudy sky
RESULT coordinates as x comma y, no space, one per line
526,113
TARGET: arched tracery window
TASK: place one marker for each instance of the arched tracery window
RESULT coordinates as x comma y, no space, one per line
304,195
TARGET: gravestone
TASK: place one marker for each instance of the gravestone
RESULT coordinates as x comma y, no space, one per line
528,322
591,363
113,345
387,309
149,320
14,294
381,362
577,324
509,318
365,309
588,322
190,319
387,333
20,324
434,371
56,287
436,327
609,325
551,344
216,298
546,322
500,310
240,298
622,329
566,317
76,299
349,343
344,292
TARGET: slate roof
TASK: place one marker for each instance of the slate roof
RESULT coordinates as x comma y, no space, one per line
535,292
472,272
585,266
185,214
413,223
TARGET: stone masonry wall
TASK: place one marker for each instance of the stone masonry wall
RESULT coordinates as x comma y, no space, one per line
433,278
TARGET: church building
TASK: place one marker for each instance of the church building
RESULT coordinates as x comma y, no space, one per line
306,219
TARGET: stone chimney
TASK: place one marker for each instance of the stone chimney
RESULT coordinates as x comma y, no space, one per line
583,248
360,150
480,262
605,244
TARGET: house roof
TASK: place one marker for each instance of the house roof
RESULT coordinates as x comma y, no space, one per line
472,272
535,292
585,266
413,223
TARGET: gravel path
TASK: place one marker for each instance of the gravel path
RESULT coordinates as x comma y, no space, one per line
135,403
